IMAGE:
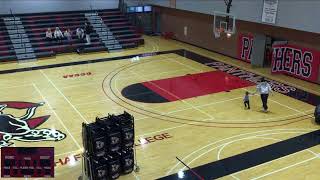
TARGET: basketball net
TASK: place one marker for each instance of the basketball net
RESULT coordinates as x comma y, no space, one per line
218,31
223,23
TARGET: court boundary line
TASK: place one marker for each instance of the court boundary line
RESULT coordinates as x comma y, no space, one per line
182,100
231,137
192,68
195,106
284,104
245,89
122,68
103,75
221,146
58,117
33,68
139,76
259,137
143,105
119,79
270,99
282,169
187,67
161,130
315,154
146,54
235,65
175,127
291,108
74,108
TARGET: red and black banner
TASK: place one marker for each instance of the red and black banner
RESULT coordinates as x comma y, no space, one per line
245,44
300,62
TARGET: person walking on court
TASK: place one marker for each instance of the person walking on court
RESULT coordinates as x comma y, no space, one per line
264,90
246,101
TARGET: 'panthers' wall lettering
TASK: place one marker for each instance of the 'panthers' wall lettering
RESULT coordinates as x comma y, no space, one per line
299,62
245,47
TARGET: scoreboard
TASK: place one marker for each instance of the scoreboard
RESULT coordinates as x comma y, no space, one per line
139,9
27,162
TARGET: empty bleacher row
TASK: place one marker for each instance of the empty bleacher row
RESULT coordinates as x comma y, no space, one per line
122,29
35,26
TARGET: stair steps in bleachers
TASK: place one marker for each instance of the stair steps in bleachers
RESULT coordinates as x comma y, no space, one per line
23,37
103,32
19,38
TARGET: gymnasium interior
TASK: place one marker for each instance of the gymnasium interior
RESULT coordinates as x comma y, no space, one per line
159,89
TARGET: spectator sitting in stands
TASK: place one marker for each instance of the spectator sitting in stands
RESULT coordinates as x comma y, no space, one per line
67,34
80,33
49,36
58,34
87,31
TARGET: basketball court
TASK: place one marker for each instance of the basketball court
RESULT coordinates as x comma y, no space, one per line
198,128
187,102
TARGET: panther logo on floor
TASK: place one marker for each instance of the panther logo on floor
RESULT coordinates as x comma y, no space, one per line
23,128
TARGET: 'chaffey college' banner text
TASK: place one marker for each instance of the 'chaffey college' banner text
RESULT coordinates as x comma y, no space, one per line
245,44
303,63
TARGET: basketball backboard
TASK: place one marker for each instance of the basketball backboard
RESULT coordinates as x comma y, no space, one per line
223,23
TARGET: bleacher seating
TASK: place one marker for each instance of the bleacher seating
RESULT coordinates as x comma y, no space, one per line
35,26
6,49
121,28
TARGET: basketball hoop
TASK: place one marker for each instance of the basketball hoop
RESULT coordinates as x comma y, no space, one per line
223,23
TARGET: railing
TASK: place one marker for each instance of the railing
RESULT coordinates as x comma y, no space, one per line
19,34
95,11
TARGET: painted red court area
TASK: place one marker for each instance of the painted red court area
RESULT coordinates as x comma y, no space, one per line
194,85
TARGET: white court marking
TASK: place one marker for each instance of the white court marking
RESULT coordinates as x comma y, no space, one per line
282,169
185,102
54,112
228,138
64,96
197,157
259,137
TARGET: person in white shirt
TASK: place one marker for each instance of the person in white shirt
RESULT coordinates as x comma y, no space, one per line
264,89
80,33
58,34
49,36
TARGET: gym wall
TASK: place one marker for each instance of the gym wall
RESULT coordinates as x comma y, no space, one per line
38,6
301,15
200,31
